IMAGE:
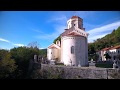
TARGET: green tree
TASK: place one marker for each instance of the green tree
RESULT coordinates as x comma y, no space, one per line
33,44
91,49
107,56
58,38
22,56
109,40
7,65
95,57
3,53
43,52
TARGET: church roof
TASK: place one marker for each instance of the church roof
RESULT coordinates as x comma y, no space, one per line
115,47
70,32
54,46
110,48
73,34
105,49
66,32
75,17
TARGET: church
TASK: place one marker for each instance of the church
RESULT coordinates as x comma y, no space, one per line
72,48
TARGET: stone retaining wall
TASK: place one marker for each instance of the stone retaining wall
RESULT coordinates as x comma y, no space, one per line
69,72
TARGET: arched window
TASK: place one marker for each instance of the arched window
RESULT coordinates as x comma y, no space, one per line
72,49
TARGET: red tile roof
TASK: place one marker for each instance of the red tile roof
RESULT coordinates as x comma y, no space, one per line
105,49
66,32
110,48
73,34
115,47
75,17
53,46
69,33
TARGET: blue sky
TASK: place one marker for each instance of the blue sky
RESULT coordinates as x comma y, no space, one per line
19,28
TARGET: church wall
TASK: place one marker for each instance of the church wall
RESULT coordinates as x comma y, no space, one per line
49,53
53,53
103,57
59,55
61,50
86,53
80,52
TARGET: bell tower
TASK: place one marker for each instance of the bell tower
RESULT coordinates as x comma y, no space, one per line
75,21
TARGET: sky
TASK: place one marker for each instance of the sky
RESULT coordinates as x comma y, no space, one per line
19,28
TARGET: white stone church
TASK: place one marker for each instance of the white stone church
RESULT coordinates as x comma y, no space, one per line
72,49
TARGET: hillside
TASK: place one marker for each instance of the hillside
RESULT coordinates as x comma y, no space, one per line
43,52
111,39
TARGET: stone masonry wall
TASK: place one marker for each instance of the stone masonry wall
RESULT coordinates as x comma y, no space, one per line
69,72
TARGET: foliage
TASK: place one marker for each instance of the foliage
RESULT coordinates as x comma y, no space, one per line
59,63
107,56
58,38
33,44
3,53
7,65
93,56
104,64
109,40
15,63
43,52
91,48
22,56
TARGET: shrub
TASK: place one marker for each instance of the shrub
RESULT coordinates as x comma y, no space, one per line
59,63
104,64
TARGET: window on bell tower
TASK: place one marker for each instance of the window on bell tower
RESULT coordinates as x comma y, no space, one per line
74,24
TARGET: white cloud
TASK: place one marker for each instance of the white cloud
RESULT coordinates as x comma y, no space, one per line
101,31
92,38
59,27
61,19
38,31
42,48
58,30
4,40
19,45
